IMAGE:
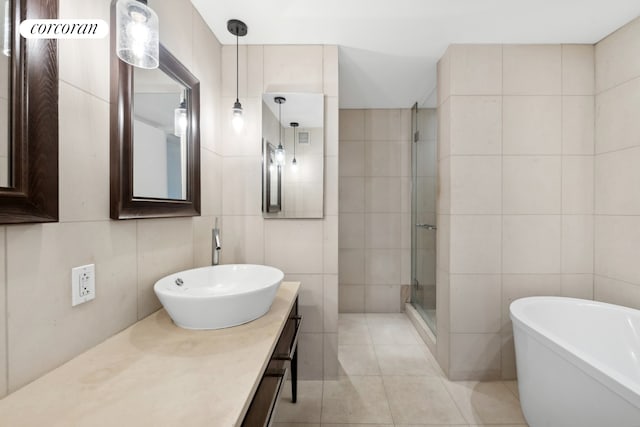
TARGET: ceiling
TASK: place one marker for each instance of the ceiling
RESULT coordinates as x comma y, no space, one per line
389,48
305,108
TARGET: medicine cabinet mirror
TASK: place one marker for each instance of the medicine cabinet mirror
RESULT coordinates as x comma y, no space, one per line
296,126
28,117
155,147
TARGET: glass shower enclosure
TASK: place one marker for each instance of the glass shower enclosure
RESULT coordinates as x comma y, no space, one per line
423,213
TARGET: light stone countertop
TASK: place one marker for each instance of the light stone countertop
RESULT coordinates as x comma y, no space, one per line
156,374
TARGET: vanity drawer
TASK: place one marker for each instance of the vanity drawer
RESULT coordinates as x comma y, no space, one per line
283,360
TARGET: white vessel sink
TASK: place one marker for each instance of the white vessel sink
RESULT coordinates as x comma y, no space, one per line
220,296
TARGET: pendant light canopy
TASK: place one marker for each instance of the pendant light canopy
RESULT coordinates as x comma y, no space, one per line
137,34
294,162
280,153
238,29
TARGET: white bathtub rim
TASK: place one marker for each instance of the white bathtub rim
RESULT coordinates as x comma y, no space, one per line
614,381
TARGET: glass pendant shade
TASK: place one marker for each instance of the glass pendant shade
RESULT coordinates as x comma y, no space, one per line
137,34
237,121
294,165
180,120
280,155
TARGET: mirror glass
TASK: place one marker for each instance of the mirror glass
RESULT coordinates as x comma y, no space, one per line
301,185
5,86
160,129
273,173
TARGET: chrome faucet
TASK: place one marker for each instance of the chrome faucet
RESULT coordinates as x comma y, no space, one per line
215,245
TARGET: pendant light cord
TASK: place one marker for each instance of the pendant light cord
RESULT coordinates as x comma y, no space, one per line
237,69
280,124
294,141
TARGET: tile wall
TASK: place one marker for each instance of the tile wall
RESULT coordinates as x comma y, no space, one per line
515,203
375,209
39,329
305,249
617,171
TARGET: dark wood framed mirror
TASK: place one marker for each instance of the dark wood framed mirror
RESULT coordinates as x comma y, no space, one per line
155,167
29,140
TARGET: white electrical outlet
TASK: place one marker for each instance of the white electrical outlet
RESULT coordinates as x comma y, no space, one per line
83,284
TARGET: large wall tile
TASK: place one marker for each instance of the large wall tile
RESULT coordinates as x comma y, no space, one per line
175,19
382,266
330,70
331,186
617,125
351,158
84,154
577,243
578,114
532,125
352,125
476,69
387,125
382,299
617,292
382,195
531,244
352,194
475,303
331,126
242,239
577,285
351,267
617,176
304,74
330,304
476,185
617,241
382,231
577,184
211,169
242,189
229,79
476,125
532,185
40,315
387,158
475,356
532,69
84,63
302,255
616,57
351,298
331,244
164,247
353,231
444,77
203,240
475,244
578,70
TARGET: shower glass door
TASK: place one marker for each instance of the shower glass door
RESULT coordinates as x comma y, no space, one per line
423,213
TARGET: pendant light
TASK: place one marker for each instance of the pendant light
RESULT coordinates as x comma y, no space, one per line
280,154
294,162
238,29
180,118
137,34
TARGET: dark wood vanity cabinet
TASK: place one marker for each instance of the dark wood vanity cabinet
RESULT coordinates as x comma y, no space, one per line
283,360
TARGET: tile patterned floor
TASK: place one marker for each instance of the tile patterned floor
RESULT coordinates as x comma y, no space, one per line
389,378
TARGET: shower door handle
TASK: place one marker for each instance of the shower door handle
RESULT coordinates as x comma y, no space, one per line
427,226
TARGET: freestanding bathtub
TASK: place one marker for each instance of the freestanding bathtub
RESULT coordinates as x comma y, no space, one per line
578,362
